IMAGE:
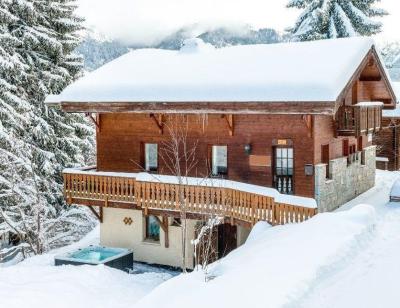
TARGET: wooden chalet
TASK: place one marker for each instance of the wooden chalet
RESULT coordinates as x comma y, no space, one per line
293,121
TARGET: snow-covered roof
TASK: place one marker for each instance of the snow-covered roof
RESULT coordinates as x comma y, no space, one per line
393,113
288,72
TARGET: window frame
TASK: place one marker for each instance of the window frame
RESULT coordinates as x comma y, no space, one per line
219,174
287,159
147,236
144,157
274,165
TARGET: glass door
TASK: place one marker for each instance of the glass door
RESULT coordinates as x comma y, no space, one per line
283,170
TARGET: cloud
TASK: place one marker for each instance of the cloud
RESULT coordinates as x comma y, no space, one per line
149,21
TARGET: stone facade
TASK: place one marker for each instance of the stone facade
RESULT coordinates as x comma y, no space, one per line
347,178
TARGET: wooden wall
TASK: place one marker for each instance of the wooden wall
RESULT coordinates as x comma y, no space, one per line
121,135
388,142
324,132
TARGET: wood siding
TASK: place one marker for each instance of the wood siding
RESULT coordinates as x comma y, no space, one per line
324,131
120,137
388,141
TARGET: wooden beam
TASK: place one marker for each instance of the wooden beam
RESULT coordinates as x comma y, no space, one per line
98,215
370,78
325,108
308,120
164,226
159,120
229,121
166,231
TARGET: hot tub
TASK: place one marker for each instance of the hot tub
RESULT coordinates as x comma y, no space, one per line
119,258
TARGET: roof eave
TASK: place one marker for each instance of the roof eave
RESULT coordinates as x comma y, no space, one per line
196,107
357,74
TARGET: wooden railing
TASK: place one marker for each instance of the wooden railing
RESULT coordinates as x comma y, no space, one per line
98,187
357,120
203,200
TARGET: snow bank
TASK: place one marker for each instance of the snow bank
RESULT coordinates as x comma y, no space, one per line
369,104
395,191
210,182
271,270
37,283
258,231
290,72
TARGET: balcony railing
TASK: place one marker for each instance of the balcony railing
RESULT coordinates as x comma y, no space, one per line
359,119
125,191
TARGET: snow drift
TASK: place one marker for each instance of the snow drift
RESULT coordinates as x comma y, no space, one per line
275,267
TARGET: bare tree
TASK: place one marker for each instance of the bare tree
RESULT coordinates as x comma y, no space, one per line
205,244
178,154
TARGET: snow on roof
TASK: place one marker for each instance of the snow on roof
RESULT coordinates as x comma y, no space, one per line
393,113
286,72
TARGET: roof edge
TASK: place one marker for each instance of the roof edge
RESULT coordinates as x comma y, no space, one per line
325,108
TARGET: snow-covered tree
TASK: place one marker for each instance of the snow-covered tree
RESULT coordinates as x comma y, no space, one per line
322,19
39,38
391,56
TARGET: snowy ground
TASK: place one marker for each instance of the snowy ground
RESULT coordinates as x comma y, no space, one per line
371,277
37,283
349,258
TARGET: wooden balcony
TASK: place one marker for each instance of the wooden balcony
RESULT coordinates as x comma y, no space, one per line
125,191
360,119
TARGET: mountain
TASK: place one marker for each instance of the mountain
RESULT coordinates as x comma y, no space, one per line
97,50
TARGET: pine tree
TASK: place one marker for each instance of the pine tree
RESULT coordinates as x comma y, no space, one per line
322,19
42,36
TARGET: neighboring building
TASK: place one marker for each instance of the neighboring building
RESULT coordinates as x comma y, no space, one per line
296,117
388,139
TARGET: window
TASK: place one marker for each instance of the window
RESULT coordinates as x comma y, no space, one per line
284,161
219,160
283,174
152,228
151,157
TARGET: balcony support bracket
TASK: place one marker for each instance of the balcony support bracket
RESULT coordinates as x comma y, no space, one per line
94,119
99,214
164,226
230,122
159,120
308,120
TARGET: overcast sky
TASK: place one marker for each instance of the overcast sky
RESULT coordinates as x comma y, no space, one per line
148,21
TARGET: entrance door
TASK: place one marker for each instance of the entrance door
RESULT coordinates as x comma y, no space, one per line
283,170
226,239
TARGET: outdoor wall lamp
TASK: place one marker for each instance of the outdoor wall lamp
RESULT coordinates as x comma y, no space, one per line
247,149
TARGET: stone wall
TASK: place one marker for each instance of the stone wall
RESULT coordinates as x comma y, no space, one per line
346,179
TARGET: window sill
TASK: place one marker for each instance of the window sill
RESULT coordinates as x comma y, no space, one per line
219,176
151,242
